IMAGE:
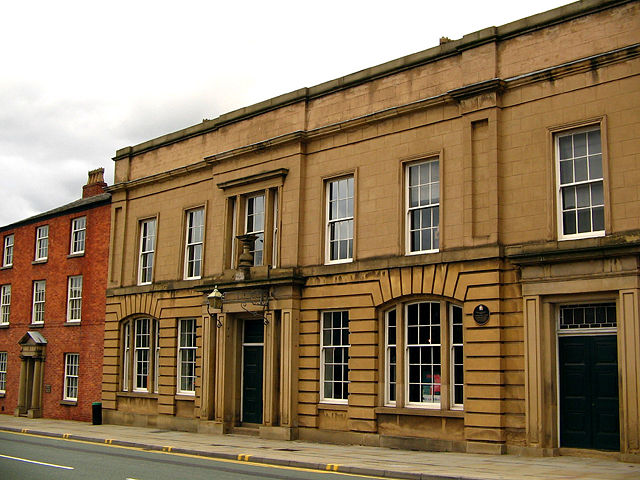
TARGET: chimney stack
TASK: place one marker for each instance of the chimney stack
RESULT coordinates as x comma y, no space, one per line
95,185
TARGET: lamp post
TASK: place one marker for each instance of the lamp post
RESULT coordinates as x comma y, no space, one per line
214,301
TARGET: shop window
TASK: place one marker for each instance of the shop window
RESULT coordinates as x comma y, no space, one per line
140,355
334,357
424,352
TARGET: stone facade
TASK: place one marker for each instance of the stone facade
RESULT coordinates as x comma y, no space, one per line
54,361
394,209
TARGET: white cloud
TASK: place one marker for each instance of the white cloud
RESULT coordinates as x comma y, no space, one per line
81,79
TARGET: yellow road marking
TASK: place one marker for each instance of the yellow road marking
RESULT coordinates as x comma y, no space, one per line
108,441
333,467
66,435
244,457
167,449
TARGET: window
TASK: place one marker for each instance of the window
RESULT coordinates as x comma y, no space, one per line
74,299
193,248
37,315
581,183
340,220
418,336
3,372
78,231
255,225
593,316
334,356
140,355
253,213
147,248
71,364
187,356
7,258
5,304
42,242
423,206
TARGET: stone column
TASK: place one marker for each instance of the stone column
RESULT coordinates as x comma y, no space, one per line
224,384
22,392
35,407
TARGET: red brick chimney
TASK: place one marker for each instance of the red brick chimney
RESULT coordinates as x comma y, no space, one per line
95,185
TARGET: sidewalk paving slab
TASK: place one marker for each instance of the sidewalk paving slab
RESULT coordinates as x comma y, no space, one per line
354,459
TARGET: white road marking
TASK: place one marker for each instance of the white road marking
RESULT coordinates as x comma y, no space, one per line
37,463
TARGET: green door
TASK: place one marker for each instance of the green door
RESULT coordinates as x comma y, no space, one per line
252,354
589,416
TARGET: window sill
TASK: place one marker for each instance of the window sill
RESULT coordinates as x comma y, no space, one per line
40,261
185,396
69,403
137,395
6,267
422,252
333,406
37,325
75,323
4,325
2,394
417,411
75,255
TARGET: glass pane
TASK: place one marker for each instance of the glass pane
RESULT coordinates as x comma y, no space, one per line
579,144
566,150
594,142
583,196
568,198
413,196
598,219
584,220
435,193
581,169
595,167
426,239
414,175
597,194
566,172
569,222
435,171
424,173
424,195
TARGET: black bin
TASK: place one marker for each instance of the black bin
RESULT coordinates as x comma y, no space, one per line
96,413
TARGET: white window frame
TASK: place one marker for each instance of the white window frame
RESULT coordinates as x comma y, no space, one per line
447,348
456,378
126,356
423,383
594,183
187,350
336,221
5,304
78,235
7,257
42,243
39,297
194,244
142,354
3,372
71,376
391,357
74,299
342,363
254,221
427,208
148,235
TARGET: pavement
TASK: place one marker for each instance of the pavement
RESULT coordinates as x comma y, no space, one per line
370,461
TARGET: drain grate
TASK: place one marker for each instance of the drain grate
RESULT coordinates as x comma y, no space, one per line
287,450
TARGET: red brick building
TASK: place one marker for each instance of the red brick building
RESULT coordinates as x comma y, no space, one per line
53,275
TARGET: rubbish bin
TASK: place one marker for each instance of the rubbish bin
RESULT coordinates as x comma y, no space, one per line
96,413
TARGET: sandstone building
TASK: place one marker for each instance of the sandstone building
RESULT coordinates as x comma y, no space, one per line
53,279
439,252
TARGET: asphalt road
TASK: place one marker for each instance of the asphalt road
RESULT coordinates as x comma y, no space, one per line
29,457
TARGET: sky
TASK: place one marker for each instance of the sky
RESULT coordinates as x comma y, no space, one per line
81,79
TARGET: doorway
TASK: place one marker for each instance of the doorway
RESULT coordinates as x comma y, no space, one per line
252,371
589,406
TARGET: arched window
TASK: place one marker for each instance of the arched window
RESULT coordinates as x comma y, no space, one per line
424,355
140,355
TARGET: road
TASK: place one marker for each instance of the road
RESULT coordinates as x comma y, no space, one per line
30,457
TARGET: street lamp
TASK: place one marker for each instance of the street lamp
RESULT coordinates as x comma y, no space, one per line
214,301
